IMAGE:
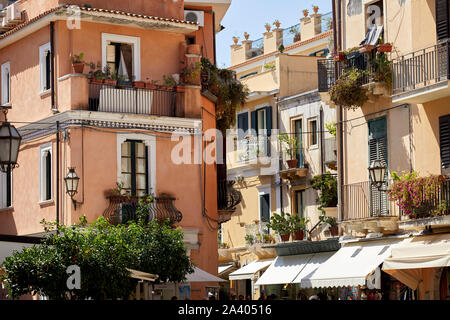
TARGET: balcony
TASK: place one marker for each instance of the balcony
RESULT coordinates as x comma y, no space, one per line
123,209
422,75
368,210
133,100
293,151
330,153
227,200
258,237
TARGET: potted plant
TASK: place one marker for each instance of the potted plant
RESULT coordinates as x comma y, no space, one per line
78,63
235,40
95,73
298,226
315,9
326,184
246,35
138,84
292,148
384,47
348,91
249,239
382,70
365,48
296,32
267,238
334,228
268,27
281,224
277,23
352,53
169,82
305,12
151,84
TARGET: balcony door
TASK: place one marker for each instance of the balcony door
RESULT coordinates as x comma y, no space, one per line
378,150
298,132
299,203
262,128
134,168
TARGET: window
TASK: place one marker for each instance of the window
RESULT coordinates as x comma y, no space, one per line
242,125
374,14
313,140
46,173
262,127
6,83
299,203
264,207
444,141
122,55
134,168
298,127
45,57
442,19
5,190
378,150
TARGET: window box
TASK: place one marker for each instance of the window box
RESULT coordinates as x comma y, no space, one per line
109,82
365,48
387,47
139,84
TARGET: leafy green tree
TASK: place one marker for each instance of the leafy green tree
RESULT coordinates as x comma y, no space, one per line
103,252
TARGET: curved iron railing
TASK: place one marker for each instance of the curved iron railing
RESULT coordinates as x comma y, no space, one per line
228,197
123,209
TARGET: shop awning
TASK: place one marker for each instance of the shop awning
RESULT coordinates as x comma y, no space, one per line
200,275
351,265
284,269
414,254
249,270
224,269
311,268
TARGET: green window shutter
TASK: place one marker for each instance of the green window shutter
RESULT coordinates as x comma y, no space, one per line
242,123
269,120
254,124
444,140
442,19
378,149
264,206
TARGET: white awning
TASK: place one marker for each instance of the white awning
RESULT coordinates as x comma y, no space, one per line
284,269
311,268
222,269
351,265
249,270
414,254
200,275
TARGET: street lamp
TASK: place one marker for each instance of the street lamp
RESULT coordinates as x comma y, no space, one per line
377,171
9,146
72,180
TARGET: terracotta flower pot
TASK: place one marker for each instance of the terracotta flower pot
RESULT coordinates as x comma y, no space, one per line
387,47
297,37
340,56
93,80
316,10
292,163
334,231
299,235
268,28
365,48
305,13
150,85
277,25
139,84
110,82
246,36
78,67
236,40
285,237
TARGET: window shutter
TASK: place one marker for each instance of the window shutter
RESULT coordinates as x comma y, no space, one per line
378,149
264,207
48,176
269,120
442,19
242,123
254,123
444,140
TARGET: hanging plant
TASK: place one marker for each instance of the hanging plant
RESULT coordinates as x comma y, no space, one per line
382,70
348,91
231,94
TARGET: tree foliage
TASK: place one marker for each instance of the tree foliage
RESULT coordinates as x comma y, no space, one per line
103,252
231,94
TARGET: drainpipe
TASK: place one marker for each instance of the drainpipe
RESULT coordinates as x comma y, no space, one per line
52,65
322,127
57,172
280,161
340,131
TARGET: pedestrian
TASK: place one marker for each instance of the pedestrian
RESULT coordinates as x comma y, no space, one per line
233,297
263,295
241,297
248,298
174,298
301,296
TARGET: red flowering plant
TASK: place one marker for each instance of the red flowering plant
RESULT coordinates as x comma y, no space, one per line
416,196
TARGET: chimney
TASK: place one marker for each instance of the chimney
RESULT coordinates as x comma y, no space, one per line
273,40
311,26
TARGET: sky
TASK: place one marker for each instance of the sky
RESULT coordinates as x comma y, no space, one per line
251,15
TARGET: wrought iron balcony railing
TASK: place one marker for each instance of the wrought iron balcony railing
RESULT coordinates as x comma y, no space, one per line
252,147
123,209
132,100
421,68
227,197
327,72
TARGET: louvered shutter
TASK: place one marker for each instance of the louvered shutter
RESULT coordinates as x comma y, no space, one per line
444,140
254,124
442,19
378,149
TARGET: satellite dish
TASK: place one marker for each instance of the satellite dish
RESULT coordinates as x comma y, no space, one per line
191,17
374,280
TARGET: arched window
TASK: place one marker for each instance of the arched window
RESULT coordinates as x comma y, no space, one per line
45,57
6,83
46,173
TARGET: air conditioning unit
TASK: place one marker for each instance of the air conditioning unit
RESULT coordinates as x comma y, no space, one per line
195,16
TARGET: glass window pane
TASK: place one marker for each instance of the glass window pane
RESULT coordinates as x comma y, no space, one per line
126,165
126,149
126,180
261,120
140,166
140,150
140,182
